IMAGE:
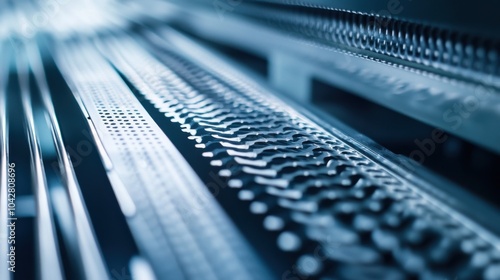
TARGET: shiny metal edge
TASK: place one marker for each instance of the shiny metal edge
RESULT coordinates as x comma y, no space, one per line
47,250
478,19
91,256
4,161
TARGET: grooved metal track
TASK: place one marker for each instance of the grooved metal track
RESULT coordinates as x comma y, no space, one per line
452,14
447,51
47,252
345,215
176,221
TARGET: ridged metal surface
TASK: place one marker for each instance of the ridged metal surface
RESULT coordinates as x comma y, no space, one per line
421,94
445,50
320,193
462,16
183,232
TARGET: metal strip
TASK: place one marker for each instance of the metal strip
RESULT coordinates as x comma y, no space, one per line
144,156
476,19
4,161
448,52
145,223
46,239
92,262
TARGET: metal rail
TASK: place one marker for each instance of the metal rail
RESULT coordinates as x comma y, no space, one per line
4,162
92,263
48,259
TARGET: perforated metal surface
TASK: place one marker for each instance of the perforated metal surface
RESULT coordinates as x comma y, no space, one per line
177,223
321,194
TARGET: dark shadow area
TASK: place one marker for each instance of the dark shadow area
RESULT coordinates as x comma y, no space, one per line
19,153
458,160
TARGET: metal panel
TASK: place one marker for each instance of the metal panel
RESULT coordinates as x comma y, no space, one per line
277,156
176,212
